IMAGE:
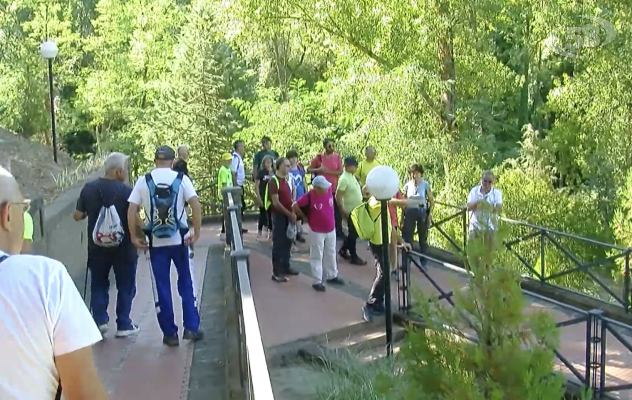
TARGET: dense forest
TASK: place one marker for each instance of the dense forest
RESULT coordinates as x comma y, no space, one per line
456,86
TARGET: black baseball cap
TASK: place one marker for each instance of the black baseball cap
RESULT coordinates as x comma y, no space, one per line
351,160
165,153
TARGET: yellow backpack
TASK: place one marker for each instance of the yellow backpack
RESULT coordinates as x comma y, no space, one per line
363,221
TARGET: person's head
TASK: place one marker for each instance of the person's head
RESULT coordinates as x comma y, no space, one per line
183,153
115,166
239,147
321,184
351,164
267,163
292,155
487,180
416,172
227,159
12,208
164,157
328,145
266,143
369,153
282,166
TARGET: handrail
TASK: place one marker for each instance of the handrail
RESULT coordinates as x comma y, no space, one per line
255,377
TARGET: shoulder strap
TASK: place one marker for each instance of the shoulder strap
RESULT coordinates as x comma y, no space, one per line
58,394
3,258
151,185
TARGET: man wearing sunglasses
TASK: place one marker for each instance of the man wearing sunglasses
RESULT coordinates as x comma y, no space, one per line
47,331
484,204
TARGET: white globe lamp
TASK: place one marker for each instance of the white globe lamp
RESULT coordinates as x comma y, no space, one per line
49,50
382,182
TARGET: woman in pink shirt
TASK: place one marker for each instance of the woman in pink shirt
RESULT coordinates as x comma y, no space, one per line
318,206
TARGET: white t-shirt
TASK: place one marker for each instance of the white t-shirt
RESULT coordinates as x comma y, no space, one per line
164,176
480,219
237,166
42,315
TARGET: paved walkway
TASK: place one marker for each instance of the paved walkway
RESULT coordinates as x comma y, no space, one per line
141,367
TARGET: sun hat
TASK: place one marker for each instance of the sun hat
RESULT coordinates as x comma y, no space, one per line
321,182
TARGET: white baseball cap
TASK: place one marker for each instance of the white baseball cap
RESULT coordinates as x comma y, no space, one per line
321,182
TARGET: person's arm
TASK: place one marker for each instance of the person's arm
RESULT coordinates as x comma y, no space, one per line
316,165
340,169
301,202
498,206
233,167
74,333
133,220
255,167
430,198
340,191
273,192
472,201
80,211
258,193
191,197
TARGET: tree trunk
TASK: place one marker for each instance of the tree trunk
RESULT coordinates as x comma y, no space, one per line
445,52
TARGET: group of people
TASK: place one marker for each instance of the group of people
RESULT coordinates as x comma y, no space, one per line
338,187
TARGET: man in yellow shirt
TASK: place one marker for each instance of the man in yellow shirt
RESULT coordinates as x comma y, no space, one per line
27,245
224,179
375,303
366,165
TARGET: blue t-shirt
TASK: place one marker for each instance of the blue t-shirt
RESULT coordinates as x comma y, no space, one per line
298,176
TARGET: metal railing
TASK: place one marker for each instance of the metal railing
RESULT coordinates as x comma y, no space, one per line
546,255
596,338
253,368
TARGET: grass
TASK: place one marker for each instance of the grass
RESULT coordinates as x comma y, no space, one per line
70,177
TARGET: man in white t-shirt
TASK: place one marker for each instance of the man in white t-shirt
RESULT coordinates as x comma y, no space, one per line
239,173
46,329
162,193
484,204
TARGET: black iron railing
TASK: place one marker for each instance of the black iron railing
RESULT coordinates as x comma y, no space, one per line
597,328
211,200
580,264
253,368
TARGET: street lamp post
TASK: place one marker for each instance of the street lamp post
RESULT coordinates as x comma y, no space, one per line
383,183
49,51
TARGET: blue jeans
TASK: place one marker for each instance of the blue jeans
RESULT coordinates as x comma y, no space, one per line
124,265
161,258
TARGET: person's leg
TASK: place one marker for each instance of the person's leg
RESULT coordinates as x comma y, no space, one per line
316,250
100,289
338,218
422,233
269,213
287,250
408,230
161,269
329,258
263,220
374,303
125,275
243,208
393,251
187,291
223,226
279,238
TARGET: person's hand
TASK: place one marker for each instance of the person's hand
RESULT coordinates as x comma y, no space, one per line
292,217
191,239
139,243
406,246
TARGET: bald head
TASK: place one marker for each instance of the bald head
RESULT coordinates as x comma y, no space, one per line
369,153
12,207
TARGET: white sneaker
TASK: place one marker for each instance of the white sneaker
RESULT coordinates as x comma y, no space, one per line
103,329
128,332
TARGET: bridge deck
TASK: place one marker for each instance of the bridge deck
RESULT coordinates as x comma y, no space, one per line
141,367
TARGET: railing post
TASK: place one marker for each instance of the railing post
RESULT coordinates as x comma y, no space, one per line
404,293
542,256
626,282
596,352
465,231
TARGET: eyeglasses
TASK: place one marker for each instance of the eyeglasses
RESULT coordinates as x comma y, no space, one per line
488,181
25,204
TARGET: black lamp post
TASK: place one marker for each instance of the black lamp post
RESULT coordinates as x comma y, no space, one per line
383,183
49,51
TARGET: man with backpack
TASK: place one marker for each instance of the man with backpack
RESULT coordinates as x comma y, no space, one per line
329,164
162,194
47,331
297,176
104,202
266,150
279,197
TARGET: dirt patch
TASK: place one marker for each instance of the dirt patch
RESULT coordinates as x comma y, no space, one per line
32,165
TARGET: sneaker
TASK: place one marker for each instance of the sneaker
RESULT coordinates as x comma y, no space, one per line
103,328
366,313
300,239
357,261
193,335
279,278
344,254
291,271
132,330
243,230
171,340
336,281
319,287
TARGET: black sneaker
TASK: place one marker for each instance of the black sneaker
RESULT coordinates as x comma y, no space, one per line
319,287
357,261
171,340
367,313
193,335
244,231
279,278
291,271
344,254
130,331
336,281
